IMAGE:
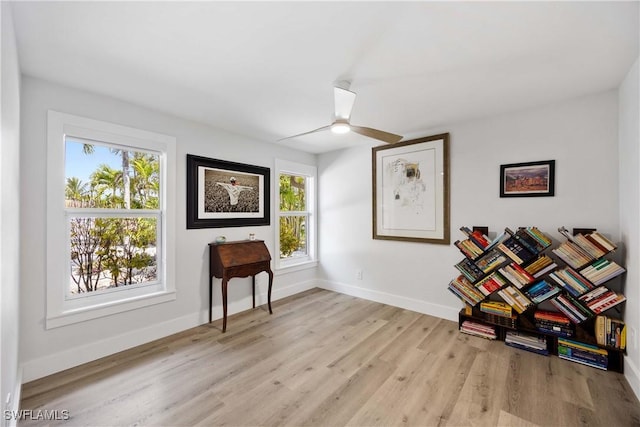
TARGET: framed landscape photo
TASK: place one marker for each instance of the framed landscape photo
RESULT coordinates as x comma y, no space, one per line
411,190
532,179
226,194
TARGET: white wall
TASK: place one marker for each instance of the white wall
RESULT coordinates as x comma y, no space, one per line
46,351
581,135
9,215
629,140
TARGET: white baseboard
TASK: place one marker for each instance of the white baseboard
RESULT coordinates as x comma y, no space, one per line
47,365
41,367
412,304
632,374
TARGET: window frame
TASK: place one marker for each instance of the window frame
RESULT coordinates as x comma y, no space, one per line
61,310
310,173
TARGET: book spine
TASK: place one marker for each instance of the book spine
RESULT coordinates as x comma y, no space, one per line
508,252
603,241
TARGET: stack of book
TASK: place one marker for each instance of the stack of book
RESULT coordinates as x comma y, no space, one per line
490,260
518,276
507,322
601,271
491,283
571,281
496,307
551,322
515,250
463,289
536,238
469,269
572,254
534,343
583,353
598,238
498,313
476,237
470,249
541,291
478,329
601,299
593,243
586,243
541,266
594,249
611,332
516,299
573,309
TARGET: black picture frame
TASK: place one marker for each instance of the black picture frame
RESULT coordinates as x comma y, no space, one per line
226,194
530,179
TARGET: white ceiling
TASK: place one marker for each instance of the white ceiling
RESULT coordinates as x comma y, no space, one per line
266,69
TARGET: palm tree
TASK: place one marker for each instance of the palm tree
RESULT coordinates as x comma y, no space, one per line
75,190
126,179
146,180
87,149
105,177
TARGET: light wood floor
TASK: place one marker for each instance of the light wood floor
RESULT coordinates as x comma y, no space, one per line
326,359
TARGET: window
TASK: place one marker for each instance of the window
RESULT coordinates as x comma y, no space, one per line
110,213
296,222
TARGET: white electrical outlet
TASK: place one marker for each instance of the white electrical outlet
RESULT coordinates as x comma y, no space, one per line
633,337
359,274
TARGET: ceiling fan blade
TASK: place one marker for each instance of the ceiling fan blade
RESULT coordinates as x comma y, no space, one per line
344,100
389,138
306,133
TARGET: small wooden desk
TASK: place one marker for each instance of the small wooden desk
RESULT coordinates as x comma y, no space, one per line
241,258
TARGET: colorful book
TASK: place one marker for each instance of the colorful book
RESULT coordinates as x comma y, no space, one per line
478,329
541,291
496,307
516,299
611,332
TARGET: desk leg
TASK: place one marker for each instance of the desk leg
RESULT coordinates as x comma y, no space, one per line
210,296
270,273
224,305
253,288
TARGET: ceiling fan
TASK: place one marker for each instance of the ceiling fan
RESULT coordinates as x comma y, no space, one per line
344,100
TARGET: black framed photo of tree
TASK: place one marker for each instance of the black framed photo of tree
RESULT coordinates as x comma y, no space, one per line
532,179
226,194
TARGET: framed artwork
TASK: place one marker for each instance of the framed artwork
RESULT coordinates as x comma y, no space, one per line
532,179
226,194
411,190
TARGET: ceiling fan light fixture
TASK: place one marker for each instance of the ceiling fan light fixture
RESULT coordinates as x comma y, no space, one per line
344,100
340,128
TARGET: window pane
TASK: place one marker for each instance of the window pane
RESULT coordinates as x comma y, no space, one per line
293,236
99,176
111,252
292,193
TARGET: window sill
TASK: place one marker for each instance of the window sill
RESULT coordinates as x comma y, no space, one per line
292,268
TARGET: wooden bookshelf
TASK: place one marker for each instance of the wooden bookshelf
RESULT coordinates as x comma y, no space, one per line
551,299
